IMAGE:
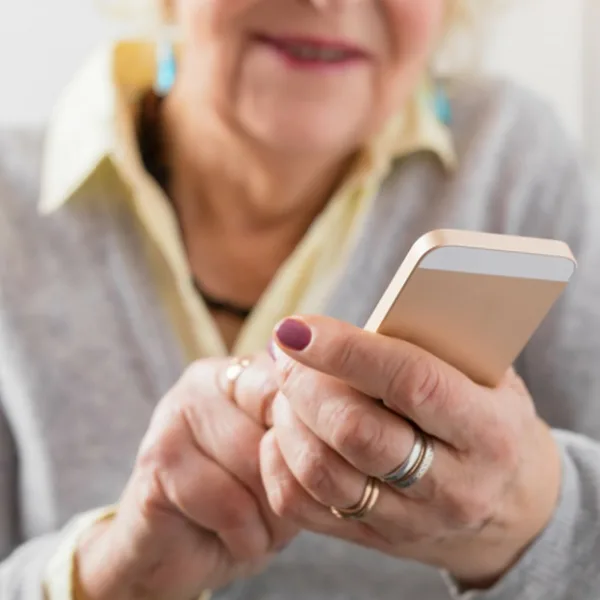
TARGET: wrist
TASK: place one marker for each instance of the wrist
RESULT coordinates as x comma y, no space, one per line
96,576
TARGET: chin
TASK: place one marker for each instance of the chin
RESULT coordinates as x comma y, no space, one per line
307,130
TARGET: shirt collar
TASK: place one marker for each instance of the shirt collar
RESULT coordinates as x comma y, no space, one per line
85,127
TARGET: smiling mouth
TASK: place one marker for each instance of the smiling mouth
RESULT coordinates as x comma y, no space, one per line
309,52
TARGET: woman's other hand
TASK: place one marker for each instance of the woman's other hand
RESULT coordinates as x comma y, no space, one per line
495,476
194,515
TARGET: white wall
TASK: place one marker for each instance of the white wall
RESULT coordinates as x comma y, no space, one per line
46,40
539,43
591,96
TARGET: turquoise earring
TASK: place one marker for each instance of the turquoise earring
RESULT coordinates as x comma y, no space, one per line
441,105
166,68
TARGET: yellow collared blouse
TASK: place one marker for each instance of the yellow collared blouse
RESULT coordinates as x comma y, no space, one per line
95,122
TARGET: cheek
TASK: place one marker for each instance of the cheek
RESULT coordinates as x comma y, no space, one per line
414,27
210,34
210,15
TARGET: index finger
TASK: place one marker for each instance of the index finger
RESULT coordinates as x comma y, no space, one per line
409,380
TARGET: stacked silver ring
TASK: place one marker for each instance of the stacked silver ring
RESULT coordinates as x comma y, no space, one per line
416,466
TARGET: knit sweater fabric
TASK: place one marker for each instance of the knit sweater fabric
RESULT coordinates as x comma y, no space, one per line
86,350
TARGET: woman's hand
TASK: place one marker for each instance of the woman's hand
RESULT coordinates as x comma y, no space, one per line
495,476
194,515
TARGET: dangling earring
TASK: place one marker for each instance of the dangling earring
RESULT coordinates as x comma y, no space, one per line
166,67
441,104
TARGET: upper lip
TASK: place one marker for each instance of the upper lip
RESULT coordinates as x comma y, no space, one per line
319,43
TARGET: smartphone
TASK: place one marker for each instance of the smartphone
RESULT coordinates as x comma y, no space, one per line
474,299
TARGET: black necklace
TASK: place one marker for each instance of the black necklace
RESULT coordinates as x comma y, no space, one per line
221,305
151,143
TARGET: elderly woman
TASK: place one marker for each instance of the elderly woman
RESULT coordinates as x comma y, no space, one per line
191,210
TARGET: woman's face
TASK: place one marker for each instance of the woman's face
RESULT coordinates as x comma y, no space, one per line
304,76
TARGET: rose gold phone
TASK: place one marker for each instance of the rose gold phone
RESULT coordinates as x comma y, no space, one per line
473,299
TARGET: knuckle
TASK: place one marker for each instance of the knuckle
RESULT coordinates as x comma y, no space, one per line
149,493
155,476
302,383
158,451
155,483
357,433
291,377
236,509
503,449
284,498
161,449
345,354
424,384
312,471
156,458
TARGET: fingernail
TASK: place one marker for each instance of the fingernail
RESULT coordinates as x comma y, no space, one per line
294,334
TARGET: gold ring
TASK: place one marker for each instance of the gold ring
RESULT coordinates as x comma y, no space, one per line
233,372
364,506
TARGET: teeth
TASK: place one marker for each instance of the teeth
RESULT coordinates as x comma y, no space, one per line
311,53
333,54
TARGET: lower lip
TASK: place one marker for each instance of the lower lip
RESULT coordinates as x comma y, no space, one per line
299,63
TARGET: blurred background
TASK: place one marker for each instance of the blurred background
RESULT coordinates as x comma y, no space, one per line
551,46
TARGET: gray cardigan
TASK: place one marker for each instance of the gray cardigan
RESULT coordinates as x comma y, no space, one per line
86,351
